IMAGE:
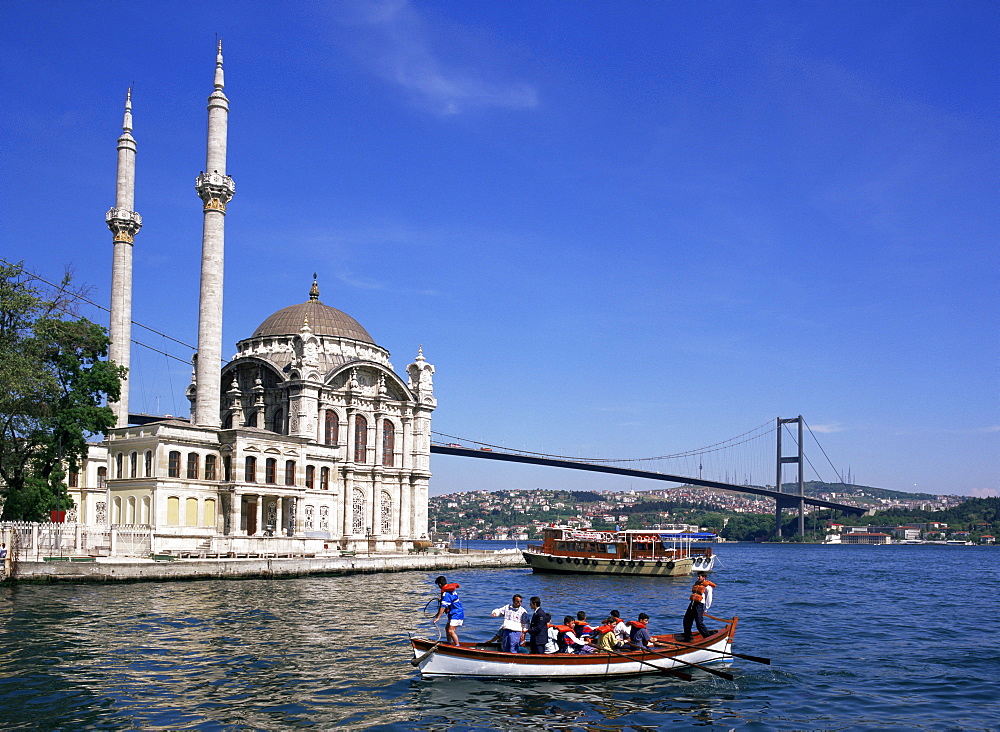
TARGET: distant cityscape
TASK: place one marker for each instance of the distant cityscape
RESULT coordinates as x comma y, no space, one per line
521,514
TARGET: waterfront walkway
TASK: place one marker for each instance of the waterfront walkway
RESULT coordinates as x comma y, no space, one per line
110,569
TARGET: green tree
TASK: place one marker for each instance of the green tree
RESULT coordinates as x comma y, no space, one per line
55,384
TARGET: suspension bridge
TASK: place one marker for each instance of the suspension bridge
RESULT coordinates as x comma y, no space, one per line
783,499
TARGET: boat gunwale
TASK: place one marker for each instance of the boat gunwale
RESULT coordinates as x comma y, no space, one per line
472,651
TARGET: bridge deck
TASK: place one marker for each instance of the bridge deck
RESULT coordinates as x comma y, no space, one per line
785,500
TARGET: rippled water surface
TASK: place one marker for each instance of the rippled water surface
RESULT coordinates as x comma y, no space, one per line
860,637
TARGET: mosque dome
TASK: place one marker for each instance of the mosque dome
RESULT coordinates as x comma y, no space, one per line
323,321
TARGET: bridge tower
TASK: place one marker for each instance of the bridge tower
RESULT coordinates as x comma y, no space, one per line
793,500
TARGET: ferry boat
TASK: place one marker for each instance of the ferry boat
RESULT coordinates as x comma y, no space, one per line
633,552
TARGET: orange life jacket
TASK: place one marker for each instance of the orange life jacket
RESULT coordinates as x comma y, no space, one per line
450,587
698,591
636,623
602,629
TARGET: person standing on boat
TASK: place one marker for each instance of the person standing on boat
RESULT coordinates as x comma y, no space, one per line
449,603
701,600
538,626
515,624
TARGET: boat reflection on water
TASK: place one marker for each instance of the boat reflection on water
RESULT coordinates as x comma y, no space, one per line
550,705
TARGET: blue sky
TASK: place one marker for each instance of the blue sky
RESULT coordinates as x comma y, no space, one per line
619,229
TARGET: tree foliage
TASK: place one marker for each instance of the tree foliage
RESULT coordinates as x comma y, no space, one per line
56,382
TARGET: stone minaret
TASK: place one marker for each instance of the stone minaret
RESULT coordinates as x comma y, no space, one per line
124,224
216,190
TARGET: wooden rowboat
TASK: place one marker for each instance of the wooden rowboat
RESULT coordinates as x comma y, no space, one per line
482,660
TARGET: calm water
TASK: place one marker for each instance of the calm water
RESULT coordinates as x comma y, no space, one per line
861,638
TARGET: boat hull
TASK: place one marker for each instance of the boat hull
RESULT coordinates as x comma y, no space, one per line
541,562
472,660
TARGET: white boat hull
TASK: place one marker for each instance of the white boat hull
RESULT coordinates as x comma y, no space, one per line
541,562
472,661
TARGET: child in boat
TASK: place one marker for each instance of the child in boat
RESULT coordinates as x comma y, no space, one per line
580,626
570,642
452,605
603,638
638,633
621,629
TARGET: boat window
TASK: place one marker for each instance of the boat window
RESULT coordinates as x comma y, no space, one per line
612,549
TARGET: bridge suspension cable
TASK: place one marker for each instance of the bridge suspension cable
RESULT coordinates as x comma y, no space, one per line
750,435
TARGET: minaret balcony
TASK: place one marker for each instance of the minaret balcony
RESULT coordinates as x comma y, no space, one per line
123,224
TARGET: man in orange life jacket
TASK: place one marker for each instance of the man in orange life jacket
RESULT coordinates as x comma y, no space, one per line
701,600
452,605
638,636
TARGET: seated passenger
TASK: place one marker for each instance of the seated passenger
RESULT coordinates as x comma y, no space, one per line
569,642
552,640
603,638
638,634
580,626
621,629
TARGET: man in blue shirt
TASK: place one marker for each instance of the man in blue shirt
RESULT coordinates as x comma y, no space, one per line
449,603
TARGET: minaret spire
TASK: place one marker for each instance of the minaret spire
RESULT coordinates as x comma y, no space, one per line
216,189
124,224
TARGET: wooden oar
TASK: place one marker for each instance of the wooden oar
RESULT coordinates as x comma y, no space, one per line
758,659
671,671
416,661
713,671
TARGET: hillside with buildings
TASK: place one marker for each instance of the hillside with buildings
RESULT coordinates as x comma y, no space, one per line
520,514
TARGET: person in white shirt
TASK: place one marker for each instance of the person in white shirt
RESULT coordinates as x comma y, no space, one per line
621,629
515,624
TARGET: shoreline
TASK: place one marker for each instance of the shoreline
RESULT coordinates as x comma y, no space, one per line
106,569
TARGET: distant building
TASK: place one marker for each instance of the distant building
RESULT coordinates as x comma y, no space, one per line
859,537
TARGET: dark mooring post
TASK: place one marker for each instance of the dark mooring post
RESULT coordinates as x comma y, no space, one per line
779,503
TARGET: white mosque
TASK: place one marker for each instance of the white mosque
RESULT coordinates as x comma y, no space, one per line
306,441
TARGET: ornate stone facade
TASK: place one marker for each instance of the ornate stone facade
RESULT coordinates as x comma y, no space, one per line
306,441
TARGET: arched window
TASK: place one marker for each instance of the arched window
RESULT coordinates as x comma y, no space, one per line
227,423
130,510
74,478
192,466
148,463
250,471
116,511
331,428
227,468
119,463
289,472
173,511
278,425
310,476
191,512
102,477
388,442
208,513
174,465
358,512
270,471
360,438
385,513
324,479
144,516
210,463
133,465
